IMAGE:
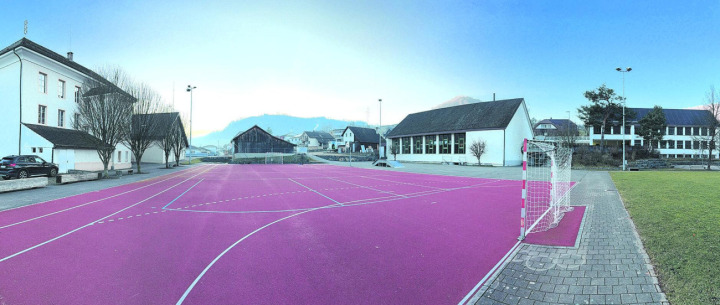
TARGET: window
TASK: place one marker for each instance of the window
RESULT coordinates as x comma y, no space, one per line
61,118
34,150
61,88
663,144
41,114
40,149
417,145
77,94
671,144
76,122
696,131
445,143
42,82
680,131
671,130
395,145
688,131
688,144
703,131
127,156
406,145
460,143
119,157
696,145
430,144
680,144
627,130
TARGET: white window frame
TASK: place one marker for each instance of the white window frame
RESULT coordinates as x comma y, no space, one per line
42,114
61,89
42,82
61,118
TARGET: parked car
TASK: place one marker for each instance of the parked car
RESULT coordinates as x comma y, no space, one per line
25,166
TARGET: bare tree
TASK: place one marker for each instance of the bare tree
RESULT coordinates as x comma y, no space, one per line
179,140
145,125
166,143
477,148
711,122
105,111
568,134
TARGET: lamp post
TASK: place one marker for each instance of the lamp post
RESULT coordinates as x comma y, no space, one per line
190,89
628,69
379,130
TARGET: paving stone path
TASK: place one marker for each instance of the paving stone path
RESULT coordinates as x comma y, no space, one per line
609,266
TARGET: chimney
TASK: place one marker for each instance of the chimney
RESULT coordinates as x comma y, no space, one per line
70,56
493,96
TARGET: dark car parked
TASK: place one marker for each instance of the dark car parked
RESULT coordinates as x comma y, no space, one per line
25,166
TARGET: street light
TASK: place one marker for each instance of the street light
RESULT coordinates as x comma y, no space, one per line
379,130
628,69
190,89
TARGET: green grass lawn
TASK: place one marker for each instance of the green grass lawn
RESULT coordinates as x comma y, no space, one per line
678,217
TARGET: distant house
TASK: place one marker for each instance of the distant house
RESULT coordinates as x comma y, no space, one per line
553,129
316,139
357,137
198,152
338,138
165,123
258,141
686,134
445,134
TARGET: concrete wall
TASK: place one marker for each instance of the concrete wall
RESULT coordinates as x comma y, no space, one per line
88,160
155,154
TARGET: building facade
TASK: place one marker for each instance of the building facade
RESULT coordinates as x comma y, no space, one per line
41,88
358,138
686,134
444,135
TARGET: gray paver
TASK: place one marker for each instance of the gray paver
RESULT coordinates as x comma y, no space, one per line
608,267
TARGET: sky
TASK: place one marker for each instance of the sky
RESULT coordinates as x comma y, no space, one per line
337,58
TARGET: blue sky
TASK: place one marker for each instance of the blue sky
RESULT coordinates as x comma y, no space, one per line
336,58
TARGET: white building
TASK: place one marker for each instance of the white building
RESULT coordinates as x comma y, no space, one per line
359,137
316,139
38,93
166,121
684,137
445,134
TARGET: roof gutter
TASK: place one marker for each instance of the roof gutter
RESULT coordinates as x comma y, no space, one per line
20,124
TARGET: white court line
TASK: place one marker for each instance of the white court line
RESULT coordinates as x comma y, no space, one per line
46,201
321,194
398,182
482,281
197,279
80,205
369,188
101,219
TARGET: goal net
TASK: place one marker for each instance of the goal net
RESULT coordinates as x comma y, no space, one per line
546,185
273,158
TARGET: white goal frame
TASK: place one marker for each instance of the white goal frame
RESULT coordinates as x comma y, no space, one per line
546,185
273,158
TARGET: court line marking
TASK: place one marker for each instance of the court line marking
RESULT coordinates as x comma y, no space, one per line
491,272
321,194
178,197
367,187
80,205
69,196
398,182
92,223
197,279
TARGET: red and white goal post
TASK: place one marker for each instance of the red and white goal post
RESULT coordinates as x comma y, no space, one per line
546,185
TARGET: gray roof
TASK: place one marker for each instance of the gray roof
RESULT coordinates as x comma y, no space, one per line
65,138
476,116
558,123
262,130
677,117
321,136
164,121
363,135
31,45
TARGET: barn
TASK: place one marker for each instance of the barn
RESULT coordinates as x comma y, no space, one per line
258,141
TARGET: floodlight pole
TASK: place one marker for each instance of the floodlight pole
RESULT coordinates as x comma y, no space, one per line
190,89
379,132
628,69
